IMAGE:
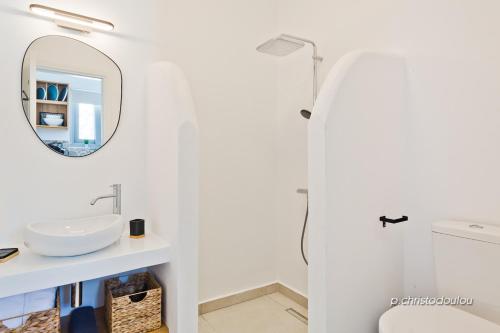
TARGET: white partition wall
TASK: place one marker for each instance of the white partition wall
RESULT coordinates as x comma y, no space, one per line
172,177
357,150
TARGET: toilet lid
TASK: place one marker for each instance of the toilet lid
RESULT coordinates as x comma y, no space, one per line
433,319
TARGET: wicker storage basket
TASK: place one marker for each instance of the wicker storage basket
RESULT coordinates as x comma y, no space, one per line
47,321
133,306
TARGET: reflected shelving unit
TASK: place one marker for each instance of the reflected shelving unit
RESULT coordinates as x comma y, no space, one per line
52,106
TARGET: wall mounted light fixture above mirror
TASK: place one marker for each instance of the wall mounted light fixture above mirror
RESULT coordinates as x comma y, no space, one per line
71,94
71,20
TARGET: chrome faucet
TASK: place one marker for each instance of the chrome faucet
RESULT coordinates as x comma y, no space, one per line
117,198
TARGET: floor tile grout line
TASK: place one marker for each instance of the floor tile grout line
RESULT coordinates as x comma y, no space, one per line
208,323
285,306
275,301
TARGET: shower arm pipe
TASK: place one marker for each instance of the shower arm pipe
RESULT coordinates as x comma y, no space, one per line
316,58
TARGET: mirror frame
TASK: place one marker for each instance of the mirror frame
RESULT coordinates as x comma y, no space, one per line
23,98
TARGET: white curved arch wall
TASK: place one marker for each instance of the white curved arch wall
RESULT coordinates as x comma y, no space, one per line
357,169
172,190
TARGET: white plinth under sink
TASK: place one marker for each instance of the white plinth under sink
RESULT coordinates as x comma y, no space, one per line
29,271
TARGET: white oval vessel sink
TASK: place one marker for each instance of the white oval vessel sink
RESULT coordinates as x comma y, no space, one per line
73,237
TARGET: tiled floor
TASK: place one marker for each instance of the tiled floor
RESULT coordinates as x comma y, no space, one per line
262,315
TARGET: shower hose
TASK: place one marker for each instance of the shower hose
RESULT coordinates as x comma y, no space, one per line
304,232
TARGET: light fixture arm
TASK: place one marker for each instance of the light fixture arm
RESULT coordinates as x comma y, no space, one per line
315,57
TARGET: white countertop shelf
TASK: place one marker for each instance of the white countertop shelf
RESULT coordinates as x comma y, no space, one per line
29,272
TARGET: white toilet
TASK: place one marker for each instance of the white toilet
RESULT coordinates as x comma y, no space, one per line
467,264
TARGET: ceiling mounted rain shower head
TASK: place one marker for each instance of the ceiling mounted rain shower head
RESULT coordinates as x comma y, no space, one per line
285,44
280,46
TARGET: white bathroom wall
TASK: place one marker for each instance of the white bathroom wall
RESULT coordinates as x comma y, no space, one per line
37,183
252,157
454,61
234,91
40,184
294,92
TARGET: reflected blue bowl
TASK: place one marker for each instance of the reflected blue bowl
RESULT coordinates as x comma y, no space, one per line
63,94
52,92
41,93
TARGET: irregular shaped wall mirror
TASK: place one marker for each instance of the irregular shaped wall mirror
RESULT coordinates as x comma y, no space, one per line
71,94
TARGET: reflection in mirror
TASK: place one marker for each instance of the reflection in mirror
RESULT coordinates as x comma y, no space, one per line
71,95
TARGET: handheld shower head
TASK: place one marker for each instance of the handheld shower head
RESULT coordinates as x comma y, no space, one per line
305,113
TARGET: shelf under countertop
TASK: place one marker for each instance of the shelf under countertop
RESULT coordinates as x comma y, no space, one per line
101,323
29,272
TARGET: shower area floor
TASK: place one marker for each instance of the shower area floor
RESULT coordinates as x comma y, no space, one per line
274,313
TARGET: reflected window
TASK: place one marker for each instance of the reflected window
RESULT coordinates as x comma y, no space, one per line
86,126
